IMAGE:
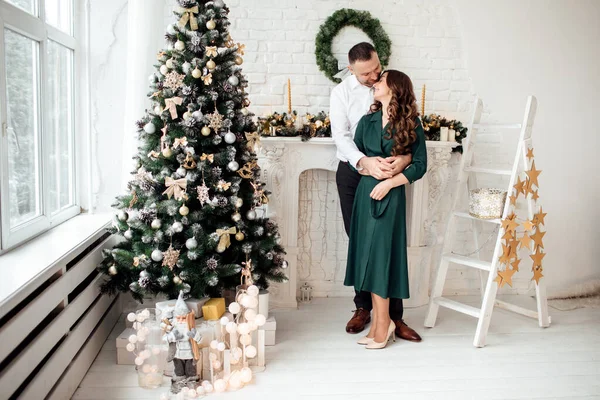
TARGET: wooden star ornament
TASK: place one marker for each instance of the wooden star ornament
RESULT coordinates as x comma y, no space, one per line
533,174
505,277
530,153
539,217
537,275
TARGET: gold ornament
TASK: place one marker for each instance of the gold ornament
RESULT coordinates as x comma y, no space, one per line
239,60
170,257
537,238
225,241
205,131
537,258
530,153
175,188
525,241
196,73
211,65
210,25
216,120
539,217
537,275
519,186
167,152
505,277
189,162
527,225
211,51
239,236
187,14
229,43
515,265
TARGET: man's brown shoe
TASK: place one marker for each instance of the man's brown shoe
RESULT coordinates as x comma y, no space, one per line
359,320
405,332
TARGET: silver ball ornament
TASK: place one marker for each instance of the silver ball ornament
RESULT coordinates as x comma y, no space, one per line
150,128
156,224
219,3
251,215
191,243
233,80
230,138
128,234
239,202
177,226
181,171
122,216
198,115
233,166
144,274
157,255
186,67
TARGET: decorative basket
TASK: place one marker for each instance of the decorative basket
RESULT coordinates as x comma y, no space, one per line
487,203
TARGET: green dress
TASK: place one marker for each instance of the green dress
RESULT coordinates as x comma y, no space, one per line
377,252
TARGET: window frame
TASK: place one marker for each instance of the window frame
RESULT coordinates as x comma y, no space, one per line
35,28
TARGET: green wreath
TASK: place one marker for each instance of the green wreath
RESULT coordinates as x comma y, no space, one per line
332,26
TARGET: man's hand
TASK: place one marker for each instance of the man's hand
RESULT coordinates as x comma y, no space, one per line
381,190
399,163
377,167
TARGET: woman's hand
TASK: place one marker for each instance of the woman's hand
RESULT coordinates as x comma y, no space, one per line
381,190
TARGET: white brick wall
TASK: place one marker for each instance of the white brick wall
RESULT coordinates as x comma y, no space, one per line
279,37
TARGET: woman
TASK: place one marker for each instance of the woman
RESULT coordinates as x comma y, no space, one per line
377,254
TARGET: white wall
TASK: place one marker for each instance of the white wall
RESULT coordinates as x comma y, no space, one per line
549,49
459,49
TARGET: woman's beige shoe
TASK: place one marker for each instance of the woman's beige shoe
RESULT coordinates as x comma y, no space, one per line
391,333
365,340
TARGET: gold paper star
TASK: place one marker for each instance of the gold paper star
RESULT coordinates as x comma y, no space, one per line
537,238
537,275
513,248
519,186
533,174
526,241
505,257
508,235
534,195
506,276
512,225
515,265
539,217
530,153
513,199
527,225
537,258
528,187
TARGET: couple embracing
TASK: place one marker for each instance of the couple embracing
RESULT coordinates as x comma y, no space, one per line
381,146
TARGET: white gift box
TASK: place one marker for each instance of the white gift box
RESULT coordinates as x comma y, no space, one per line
270,327
195,305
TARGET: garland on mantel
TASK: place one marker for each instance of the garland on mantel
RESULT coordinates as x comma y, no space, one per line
288,125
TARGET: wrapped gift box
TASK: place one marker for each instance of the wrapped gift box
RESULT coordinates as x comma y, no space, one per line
270,327
195,305
213,309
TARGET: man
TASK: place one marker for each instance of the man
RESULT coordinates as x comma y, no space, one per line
350,101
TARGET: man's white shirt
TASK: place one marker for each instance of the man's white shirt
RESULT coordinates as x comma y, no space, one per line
350,101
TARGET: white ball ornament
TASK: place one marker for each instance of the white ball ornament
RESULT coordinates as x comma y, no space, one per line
251,215
184,210
251,351
208,388
245,111
233,80
246,340
224,321
112,270
233,166
252,290
132,339
239,202
150,128
196,73
139,361
128,234
243,328
210,25
230,138
186,67
179,45
187,115
221,346
181,171
156,224
250,314
214,344
130,347
220,385
231,327
234,308
167,152
260,320
157,255
177,280
131,317
164,69
219,3
246,374
191,243
170,63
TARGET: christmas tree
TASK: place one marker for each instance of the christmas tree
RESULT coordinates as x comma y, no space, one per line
193,216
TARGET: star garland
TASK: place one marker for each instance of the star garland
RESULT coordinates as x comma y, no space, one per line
531,232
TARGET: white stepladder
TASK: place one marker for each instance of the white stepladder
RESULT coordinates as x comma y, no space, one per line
466,181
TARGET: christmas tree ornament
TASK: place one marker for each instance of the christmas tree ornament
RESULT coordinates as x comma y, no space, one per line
284,265
112,270
197,115
177,280
210,25
164,70
236,217
207,157
191,243
233,80
239,60
181,172
233,166
241,49
167,152
128,234
230,138
170,257
171,29
157,255
184,210
186,115
219,3
186,67
251,215
206,131
253,139
196,73
215,120
239,202
245,112
122,216
189,162
207,79
211,51
239,236
177,226
171,104
149,128
211,65
533,174
175,188
179,45
203,196
170,63
158,110
223,186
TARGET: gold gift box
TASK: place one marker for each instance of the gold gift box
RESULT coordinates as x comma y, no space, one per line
213,309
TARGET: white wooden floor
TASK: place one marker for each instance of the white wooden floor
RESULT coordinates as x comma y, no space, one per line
315,358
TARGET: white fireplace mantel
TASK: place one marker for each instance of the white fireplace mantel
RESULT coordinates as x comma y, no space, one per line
282,160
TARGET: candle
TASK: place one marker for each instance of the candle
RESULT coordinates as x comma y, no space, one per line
423,101
289,96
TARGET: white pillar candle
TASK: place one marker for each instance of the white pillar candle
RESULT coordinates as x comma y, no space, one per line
444,134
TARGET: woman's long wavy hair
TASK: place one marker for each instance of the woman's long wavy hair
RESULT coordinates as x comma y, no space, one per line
402,111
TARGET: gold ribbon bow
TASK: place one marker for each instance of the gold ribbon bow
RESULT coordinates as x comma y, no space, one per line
241,48
209,157
223,186
207,79
253,139
172,104
225,240
211,51
180,142
188,15
175,188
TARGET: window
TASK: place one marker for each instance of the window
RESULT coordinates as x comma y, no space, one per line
38,51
